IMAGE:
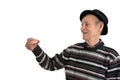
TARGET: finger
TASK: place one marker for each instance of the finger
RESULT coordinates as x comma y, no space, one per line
29,39
30,47
33,42
32,39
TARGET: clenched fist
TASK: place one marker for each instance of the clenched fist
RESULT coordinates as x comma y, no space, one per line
31,43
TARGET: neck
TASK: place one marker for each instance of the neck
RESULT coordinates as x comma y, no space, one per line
92,42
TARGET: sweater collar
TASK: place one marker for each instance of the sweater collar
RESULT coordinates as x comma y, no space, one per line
97,46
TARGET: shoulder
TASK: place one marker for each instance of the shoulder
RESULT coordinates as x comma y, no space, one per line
77,46
110,50
73,49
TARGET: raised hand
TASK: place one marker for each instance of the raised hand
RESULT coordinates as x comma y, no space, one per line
31,43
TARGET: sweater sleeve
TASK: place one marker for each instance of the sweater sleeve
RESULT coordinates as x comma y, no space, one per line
113,72
54,63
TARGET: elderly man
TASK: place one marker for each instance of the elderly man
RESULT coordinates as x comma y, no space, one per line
90,60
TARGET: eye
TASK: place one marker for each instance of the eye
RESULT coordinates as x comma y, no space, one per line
86,24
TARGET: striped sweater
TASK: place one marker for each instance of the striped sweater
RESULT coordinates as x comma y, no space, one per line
82,62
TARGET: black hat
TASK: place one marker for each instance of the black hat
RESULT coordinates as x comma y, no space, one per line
100,15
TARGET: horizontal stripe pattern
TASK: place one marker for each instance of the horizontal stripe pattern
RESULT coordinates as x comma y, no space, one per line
81,63
84,71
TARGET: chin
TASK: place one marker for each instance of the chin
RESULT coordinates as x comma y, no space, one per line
85,38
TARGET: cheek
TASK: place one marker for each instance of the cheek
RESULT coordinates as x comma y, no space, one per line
93,32
97,30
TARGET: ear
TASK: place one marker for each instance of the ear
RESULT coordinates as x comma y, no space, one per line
101,25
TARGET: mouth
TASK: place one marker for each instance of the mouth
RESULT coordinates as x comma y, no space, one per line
84,32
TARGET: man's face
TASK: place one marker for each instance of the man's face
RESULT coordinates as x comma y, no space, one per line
90,27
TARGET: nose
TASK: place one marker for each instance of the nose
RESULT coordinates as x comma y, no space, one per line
82,27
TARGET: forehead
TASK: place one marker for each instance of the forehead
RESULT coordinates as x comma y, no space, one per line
90,18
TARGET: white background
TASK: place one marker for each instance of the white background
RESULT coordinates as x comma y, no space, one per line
55,23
